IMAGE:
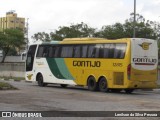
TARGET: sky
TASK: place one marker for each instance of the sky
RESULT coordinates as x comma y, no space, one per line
48,15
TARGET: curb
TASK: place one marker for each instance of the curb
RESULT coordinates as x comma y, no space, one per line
15,80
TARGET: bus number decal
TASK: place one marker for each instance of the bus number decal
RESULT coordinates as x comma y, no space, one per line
117,64
86,63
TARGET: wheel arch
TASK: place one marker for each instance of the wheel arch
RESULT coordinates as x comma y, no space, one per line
102,77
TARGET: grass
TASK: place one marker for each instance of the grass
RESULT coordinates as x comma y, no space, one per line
6,86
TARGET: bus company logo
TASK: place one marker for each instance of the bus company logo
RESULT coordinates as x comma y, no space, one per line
6,114
29,76
145,45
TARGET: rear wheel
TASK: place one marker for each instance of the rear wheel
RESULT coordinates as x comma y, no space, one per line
40,81
129,91
64,85
103,85
92,84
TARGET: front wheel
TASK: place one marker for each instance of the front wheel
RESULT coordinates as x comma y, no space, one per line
103,85
40,81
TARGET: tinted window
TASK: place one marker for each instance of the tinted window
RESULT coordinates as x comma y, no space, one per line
43,51
84,51
67,51
120,51
108,50
57,52
99,51
30,57
91,51
77,51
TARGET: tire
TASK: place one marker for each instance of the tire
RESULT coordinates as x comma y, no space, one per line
103,85
92,84
40,81
64,85
129,91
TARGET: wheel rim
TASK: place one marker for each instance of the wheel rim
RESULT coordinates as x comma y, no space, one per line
103,84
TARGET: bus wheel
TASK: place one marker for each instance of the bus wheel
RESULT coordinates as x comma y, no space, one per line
129,91
40,81
92,84
64,85
103,86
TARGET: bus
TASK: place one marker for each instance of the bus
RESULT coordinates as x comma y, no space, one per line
101,64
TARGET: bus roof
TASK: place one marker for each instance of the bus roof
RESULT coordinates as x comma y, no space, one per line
83,39
87,40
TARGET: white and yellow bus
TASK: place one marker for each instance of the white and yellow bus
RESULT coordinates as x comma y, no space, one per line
101,64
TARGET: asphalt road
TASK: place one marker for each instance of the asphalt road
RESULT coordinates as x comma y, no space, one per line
31,97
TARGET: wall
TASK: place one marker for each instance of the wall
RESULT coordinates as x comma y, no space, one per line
12,69
12,59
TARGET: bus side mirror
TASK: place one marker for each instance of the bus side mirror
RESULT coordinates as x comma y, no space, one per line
23,56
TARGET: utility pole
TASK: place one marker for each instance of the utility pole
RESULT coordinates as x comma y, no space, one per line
134,26
27,40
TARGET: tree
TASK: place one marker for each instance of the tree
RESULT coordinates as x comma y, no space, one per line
42,36
144,29
10,39
72,31
112,31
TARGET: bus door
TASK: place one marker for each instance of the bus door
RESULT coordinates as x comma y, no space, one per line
30,62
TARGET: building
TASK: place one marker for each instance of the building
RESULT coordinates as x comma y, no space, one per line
12,21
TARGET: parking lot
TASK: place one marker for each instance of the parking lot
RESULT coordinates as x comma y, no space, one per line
31,97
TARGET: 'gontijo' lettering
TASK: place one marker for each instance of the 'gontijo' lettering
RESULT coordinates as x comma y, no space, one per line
144,60
86,63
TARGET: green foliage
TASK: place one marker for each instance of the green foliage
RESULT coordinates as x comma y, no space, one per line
77,30
144,29
11,39
41,36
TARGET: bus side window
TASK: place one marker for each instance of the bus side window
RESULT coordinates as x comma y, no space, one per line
77,51
84,51
67,51
120,51
91,51
111,50
106,50
99,51
58,51
45,51
40,51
